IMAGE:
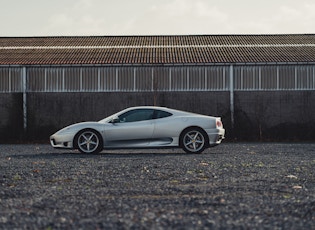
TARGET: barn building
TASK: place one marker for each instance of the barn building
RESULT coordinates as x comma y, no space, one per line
263,86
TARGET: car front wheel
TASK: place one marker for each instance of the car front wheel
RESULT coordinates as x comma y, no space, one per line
193,140
89,141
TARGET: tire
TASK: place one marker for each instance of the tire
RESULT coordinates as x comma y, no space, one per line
193,140
89,141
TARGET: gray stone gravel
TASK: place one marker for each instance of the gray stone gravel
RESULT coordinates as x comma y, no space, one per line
231,186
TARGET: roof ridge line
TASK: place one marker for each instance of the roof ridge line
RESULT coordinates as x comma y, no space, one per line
156,46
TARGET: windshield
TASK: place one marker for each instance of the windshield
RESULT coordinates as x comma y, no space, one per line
108,119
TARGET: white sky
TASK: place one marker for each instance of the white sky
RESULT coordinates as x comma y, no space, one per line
155,17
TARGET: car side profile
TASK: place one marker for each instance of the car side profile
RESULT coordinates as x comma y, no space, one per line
143,127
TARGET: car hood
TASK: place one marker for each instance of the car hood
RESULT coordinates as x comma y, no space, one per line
79,126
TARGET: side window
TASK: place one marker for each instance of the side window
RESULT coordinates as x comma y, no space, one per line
161,114
137,115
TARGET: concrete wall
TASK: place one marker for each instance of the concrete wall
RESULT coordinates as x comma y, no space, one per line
275,115
281,115
11,116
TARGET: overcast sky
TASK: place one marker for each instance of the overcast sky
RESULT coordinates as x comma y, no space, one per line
155,17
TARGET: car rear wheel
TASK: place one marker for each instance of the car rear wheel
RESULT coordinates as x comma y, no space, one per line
89,141
193,140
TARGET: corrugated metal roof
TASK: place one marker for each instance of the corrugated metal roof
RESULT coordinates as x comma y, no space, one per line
157,49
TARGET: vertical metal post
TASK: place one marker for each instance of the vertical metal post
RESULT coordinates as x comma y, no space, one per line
278,81
45,79
206,82
295,78
134,79
232,95
116,79
63,79
81,79
223,80
187,80
242,79
24,90
170,79
259,76
152,79
10,88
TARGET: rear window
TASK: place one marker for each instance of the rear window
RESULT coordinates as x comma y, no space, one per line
161,114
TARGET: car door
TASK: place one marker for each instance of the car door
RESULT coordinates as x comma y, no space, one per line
133,128
165,128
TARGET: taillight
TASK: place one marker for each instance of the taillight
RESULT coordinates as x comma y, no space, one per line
219,124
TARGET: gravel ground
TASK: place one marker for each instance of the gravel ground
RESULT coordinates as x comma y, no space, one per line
231,186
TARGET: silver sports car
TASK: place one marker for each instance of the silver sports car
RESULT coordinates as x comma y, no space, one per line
143,127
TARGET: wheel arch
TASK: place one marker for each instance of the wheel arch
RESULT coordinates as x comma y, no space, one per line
190,128
75,144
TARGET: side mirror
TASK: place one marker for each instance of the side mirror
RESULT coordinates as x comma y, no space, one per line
115,120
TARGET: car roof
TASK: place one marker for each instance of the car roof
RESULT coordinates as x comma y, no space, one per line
148,107
161,108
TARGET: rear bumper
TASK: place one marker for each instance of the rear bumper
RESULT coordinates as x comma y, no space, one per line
215,136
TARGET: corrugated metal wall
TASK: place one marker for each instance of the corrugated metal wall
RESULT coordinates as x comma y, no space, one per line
11,79
285,77
157,78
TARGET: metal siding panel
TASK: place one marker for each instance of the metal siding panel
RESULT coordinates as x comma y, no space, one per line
107,79
179,79
32,79
287,77
196,78
269,77
161,79
247,78
126,79
238,78
251,78
309,77
72,82
89,79
217,78
5,85
143,79
55,81
16,79
158,78
303,80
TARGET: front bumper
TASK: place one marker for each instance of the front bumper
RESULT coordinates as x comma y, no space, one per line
64,141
